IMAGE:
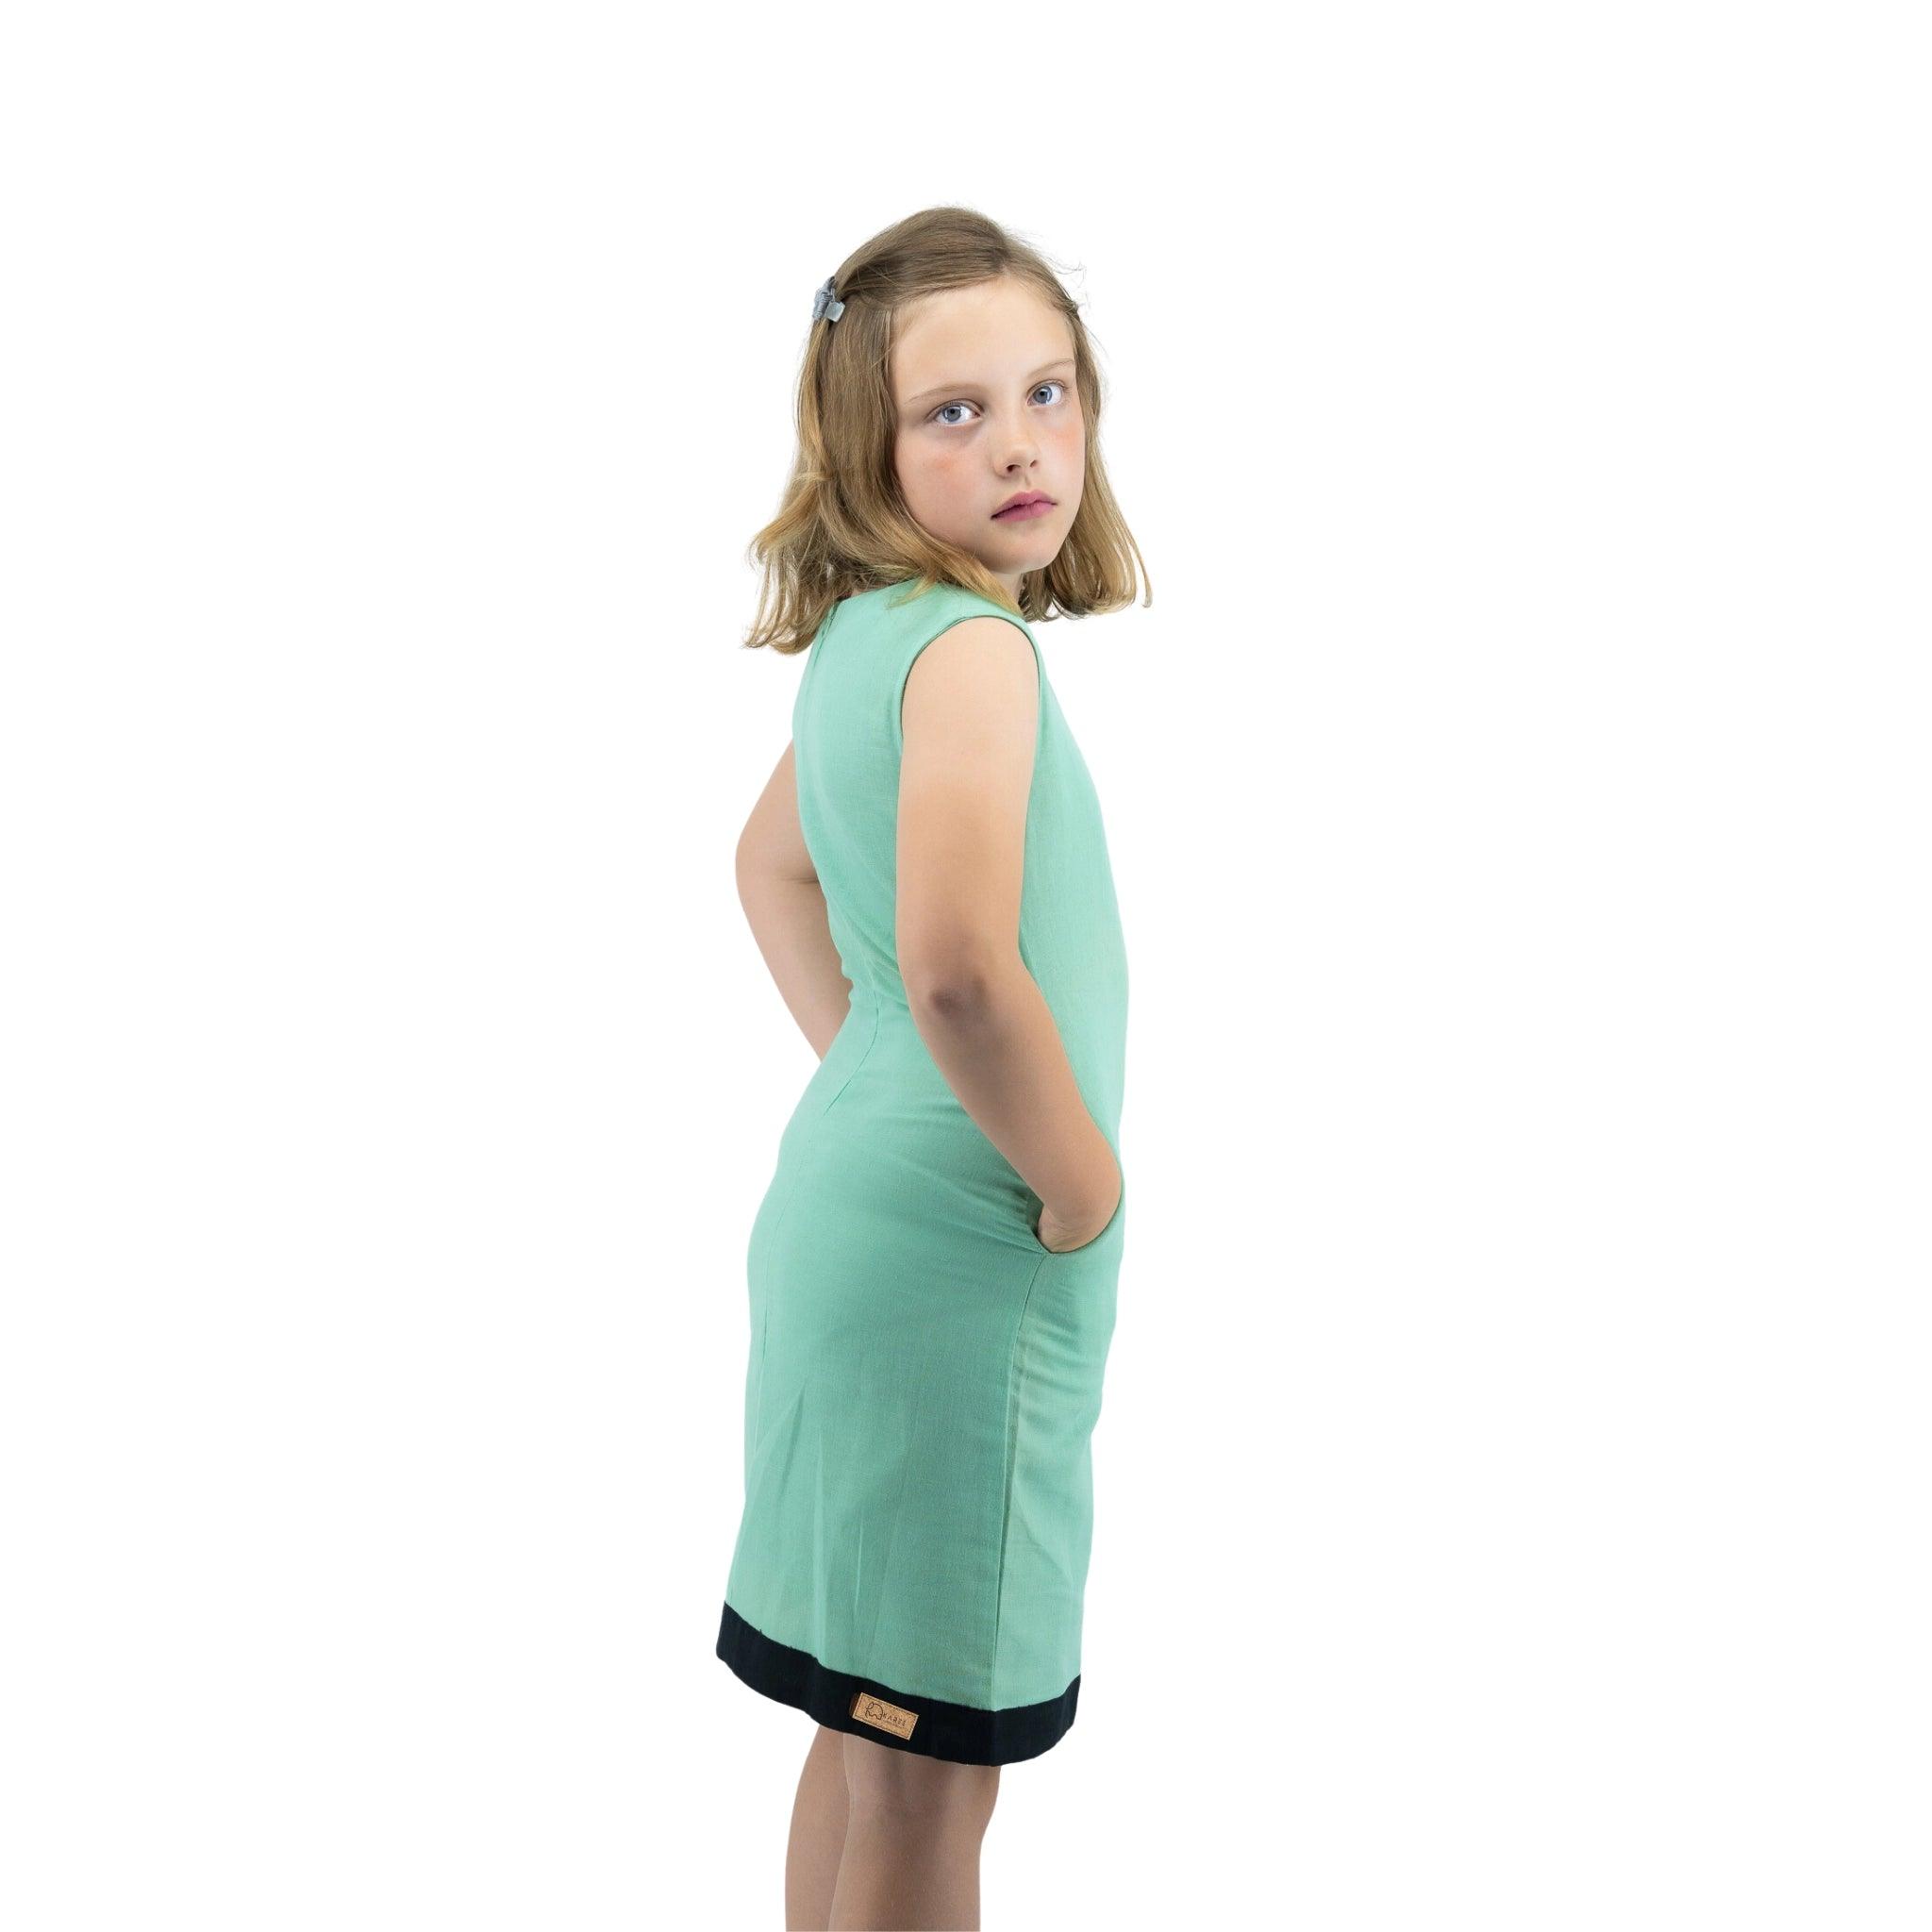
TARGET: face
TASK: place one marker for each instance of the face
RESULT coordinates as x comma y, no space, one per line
983,383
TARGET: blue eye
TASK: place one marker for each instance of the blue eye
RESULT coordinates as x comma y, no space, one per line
941,412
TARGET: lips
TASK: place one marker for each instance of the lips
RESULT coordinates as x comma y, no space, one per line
1030,505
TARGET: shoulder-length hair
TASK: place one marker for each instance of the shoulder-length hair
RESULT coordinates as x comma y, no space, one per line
845,526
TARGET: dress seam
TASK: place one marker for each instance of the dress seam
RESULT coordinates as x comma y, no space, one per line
865,1054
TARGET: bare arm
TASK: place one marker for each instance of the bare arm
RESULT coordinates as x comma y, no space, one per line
782,898
970,718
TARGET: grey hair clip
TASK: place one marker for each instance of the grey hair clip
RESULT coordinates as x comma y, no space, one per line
825,303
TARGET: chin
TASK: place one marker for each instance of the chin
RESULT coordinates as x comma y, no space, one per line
1021,565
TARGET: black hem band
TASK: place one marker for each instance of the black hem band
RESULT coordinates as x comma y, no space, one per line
956,1732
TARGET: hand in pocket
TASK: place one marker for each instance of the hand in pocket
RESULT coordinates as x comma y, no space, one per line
1059,1237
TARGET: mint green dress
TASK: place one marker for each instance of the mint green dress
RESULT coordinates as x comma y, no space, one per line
925,1376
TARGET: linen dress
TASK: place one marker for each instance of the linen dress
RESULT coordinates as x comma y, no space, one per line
925,1376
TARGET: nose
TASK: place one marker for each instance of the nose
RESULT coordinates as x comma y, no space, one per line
1022,451
1018,446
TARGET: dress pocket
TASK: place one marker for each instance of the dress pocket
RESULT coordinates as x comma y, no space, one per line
1061,1254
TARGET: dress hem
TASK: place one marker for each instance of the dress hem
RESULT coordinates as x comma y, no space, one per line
958,1732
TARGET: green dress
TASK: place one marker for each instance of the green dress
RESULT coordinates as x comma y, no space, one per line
925,1376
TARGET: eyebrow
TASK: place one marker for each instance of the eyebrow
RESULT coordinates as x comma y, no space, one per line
949,388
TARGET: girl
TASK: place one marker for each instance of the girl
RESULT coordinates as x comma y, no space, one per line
933,1268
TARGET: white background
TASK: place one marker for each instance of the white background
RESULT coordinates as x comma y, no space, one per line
1512,1489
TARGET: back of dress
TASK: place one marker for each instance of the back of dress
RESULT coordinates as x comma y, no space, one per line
925,1376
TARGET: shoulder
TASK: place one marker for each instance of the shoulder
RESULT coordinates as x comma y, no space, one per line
968,623
959,649
981,630
974,679
976,643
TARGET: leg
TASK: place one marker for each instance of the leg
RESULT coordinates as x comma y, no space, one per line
911,1840
818,1835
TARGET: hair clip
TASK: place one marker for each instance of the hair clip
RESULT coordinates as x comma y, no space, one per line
825,303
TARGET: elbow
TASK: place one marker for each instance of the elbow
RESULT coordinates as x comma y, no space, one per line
948,1001
955,985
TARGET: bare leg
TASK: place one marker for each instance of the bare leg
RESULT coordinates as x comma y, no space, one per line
912,1839
818,1835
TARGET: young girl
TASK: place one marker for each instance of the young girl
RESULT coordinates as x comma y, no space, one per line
933,1267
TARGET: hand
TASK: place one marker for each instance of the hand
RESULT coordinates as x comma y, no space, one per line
1062,1237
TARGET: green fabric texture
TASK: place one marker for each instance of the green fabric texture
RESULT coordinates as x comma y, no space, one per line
925,1376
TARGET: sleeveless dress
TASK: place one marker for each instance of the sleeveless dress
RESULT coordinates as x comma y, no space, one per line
925,1376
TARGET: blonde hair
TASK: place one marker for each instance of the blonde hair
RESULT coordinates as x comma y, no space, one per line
845,526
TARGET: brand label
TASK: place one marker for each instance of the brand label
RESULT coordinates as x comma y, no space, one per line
886,1716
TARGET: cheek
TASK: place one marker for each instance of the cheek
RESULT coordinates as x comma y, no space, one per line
911,469
930,474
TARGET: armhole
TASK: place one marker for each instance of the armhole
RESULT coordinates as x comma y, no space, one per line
1038,677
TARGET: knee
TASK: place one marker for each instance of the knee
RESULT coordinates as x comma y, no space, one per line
899,1784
